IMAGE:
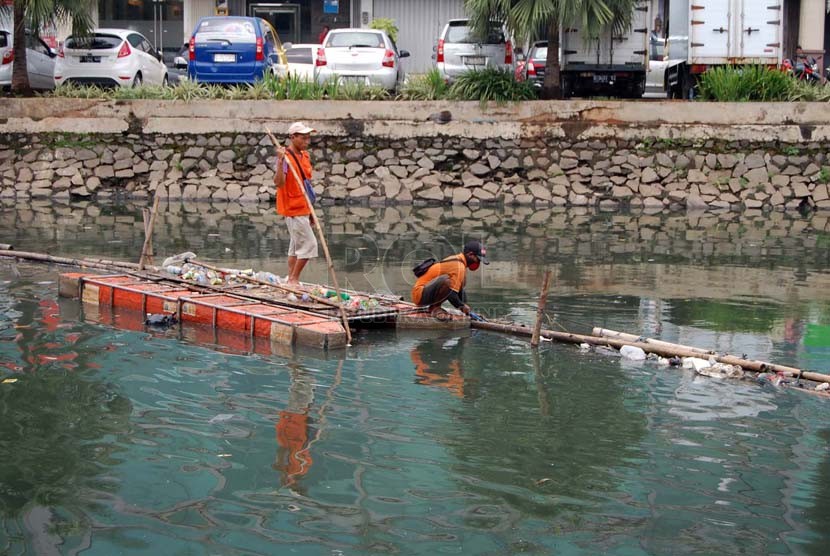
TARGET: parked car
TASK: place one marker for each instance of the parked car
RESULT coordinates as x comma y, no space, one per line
177,70
233,50
40,61
301,61
459,50
534,66
110,58
365,56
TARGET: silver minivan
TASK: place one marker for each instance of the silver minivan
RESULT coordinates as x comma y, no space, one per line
459,50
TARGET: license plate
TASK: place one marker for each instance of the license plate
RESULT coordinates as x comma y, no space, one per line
224,58
474,60
360,79
600,79
90,59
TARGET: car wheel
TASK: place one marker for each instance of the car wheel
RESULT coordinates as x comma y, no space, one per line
165,81
137,81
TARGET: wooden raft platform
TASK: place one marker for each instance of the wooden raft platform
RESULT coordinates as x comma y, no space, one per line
280,322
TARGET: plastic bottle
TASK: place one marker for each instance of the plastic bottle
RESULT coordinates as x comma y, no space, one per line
344,296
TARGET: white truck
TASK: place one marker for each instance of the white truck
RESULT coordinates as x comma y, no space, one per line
612,63
700,34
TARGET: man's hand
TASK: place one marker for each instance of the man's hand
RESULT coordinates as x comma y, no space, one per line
280,152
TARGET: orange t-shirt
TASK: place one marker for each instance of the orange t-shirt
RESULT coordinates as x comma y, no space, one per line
290,198
455,267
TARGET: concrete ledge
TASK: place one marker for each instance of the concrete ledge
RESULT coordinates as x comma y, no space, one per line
577,120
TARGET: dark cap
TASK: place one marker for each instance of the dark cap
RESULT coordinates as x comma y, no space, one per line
477,249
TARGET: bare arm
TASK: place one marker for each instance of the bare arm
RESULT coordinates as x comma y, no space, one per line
279,173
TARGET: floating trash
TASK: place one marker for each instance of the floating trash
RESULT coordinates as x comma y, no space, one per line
721,370
633,353
161,320
823,386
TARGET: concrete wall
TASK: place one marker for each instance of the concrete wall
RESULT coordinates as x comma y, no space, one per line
661,155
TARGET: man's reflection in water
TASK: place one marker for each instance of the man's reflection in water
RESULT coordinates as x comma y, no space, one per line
438,363
293,429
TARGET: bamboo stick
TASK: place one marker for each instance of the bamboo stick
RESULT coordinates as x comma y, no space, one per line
147,249
145,215
606,333
540,310
325,245
567,337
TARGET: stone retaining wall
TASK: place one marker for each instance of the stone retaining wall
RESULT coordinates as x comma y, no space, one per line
573,154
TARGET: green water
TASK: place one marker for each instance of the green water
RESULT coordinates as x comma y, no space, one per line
149,442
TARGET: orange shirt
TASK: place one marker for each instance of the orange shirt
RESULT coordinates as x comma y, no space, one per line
290,198
292,436
455,267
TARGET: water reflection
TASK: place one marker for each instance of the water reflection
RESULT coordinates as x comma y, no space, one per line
55,419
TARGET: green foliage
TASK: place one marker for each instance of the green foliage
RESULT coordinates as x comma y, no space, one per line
386,24
824,175
804,91
491,84
427,86
289,87
745,84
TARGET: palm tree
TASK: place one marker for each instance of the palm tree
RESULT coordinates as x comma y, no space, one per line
530,20
33,14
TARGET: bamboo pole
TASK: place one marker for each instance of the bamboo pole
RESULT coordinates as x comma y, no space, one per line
253,280
42,257
606,333
540,310
679,351
325,245
147,249
145,216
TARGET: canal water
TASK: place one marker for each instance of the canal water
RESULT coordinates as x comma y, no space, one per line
117,441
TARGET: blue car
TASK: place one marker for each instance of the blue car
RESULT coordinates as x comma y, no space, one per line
233,50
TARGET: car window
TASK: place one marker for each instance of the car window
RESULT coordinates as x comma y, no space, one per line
460,32
232,29
269,39
147,47
371,40
134,40
539,53
95,42
299,56
4,39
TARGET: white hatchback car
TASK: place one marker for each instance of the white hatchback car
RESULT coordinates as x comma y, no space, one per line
110,58
301,60
363,56
40,61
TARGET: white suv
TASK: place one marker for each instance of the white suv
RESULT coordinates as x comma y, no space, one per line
458,49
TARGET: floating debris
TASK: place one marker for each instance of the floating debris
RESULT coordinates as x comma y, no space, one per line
721,370
633,353
161,320
823,386
9,380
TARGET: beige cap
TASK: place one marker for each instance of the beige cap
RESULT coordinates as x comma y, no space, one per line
301,128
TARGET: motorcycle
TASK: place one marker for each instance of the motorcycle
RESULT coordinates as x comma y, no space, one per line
805,69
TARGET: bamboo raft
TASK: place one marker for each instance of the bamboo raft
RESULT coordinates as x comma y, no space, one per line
261,313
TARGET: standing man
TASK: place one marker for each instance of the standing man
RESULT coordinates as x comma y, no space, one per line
445,280
291,200
322,36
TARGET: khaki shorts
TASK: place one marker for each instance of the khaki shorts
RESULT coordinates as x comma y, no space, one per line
303,243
